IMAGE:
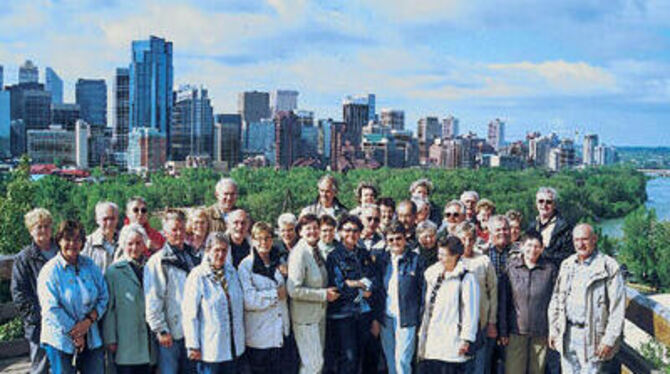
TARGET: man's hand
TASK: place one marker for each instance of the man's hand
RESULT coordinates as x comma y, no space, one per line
332,294
81,328
165,340
281,293
375,328
112,347
503,340
464,349
194,354
353,283
603,351
551,342
491,330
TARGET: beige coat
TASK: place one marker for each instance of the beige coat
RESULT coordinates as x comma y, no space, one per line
306,284
215,216
605,304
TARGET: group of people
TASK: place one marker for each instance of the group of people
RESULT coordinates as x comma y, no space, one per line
397,287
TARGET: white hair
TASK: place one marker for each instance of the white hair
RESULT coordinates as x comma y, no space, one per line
102,206
225,182
426,225
234,213
458,203
465,194
548,190
130,229
286,219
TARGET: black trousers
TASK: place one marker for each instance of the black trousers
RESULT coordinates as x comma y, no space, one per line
440,367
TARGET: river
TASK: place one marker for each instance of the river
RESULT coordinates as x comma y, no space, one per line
658,197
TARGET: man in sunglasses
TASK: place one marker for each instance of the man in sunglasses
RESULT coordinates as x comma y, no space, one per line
137,212
370,217
454,213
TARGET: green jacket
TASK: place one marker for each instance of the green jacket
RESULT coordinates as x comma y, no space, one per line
124,323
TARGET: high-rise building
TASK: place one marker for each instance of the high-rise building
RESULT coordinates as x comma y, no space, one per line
51,145
283,101
604,155
28,73
227,139
91,95
309,134
2,78
150,86
30,109
65,115
192,124
17,137
588,149
121,111
146,149
538,150
253,106
54,84
5,124
450,127
323,147
287,139
81,133
393,119
496,134
428,129
261,139
355,113
372,107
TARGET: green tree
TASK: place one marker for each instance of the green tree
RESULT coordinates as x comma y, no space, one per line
17,201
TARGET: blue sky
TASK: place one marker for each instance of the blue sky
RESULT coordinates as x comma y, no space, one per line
557,65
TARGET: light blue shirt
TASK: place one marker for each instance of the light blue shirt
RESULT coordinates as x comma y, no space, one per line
67,294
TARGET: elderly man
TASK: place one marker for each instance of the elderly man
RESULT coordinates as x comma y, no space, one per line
587,309
226,198
552,227
326,202
370,217
454,213
470,200
238,235
101,244
406,215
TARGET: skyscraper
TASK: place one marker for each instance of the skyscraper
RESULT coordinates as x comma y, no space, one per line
588,149
54,85
2,78
253,106
91,95
355,113
121,110
150,85
450,127
283,100
192,124
65,115
30,109
496,134
28,73
287,139
227,139
5,124
428,129
392,118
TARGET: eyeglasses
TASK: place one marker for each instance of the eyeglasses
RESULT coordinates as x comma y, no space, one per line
349,229
450,214
393,239
140,210
263,238
373,219
543,201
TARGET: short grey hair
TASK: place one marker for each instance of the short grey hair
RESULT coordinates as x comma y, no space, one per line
331,180
465,228
135,199
420,204
365,207
234,213
286,219
224,182
465,194
102,206
548,190
422,182
216,237
426,226
127,231
496,219
457,203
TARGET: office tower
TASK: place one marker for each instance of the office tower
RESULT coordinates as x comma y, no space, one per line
428,129
253,106
146,149
496,134
91,95
30,109
2,78
261,139
309,134
81,143
5,124
283,101
54,85
355,113
287,139
150,85
50,145
121,110
65,115
604,155
372,107
227,139
450,127
28,73
192,124
393,119
588,149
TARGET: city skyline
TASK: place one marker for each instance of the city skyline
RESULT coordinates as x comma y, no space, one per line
588,66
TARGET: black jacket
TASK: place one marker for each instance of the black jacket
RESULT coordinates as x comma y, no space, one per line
26,268
560,246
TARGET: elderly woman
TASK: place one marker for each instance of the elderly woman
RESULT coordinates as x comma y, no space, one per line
454,213
366,193
213,311
351,271
422,210
451,312
526,289
485,209
101,244
73,295
286,232
326,202
515,219
27,266
401,272
481,267
307,286
125,329
426,233
421,189
137,212
470,200
197,230
266,317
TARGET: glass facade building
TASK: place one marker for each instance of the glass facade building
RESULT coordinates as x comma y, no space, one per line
91,95
192,124
5,124
54,84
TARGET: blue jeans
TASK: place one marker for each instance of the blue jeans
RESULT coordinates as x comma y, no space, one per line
226,367
89,361
482,360
174,360
351,335
39,363
398,344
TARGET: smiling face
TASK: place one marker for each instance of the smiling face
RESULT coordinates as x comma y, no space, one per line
368,196
326,193
217,254
310,233
545,205
532,249
500,233
405,216
584,241
421,192
70,245
428,238
137,212
396,243
41,234
514,230
287,233
370,219
226,196
200,226
263,242
468,240
135,246
446,258
327,233
175,232
386,214
238,225
349,234
107,221
483,218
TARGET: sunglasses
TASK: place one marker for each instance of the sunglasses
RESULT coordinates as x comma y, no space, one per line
394,239
373,219
140,210
450,214
348,230
543,201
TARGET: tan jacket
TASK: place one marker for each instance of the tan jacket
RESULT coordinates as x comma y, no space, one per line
216,221
306,284
95,249
605,304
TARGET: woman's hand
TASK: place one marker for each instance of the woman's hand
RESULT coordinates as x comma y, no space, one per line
194,354
112,348
165,340
81,328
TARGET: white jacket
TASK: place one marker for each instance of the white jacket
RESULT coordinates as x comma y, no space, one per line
266,318
441,336
205,313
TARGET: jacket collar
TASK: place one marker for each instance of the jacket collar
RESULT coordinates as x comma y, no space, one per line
518,261
124,266
456,272
258,266
36,252
595,262
98,239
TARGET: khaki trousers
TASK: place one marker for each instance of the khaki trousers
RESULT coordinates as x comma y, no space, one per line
310,339
525,354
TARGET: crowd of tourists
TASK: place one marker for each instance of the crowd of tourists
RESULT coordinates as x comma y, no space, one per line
386,287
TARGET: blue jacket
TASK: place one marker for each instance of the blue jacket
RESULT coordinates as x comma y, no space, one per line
343,265
411,285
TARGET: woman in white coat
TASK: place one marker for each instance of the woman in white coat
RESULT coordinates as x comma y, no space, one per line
451,314
266,318
213,311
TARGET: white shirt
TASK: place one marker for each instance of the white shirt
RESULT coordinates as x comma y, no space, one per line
392,308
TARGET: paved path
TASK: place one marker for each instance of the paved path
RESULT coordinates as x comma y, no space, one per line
15,365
